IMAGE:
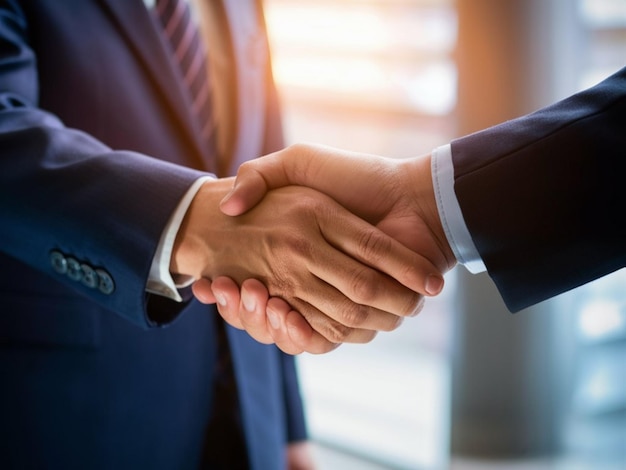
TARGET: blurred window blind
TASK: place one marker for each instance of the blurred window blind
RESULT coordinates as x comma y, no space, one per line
604,23
386,55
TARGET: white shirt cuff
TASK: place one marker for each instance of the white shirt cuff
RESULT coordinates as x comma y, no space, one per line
160,280
450,213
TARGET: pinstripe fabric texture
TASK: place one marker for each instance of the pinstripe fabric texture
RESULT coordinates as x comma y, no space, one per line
189,53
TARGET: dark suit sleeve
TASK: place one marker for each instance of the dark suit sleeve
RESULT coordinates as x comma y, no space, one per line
63,191
542,195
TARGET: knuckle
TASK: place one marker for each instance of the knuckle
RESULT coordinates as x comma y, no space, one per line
297,148
410,275
354,315
337,333
298,246
373,245
330,330
364,286
308,204
244,168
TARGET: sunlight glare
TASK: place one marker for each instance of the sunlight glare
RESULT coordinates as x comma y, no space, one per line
371,55
600,318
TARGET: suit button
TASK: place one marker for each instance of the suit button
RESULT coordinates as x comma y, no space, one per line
73,269
58,262
105,282
89,277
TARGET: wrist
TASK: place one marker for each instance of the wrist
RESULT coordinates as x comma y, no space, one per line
194,245
419,183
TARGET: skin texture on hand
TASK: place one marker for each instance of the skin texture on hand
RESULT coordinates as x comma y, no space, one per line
338,271
395,195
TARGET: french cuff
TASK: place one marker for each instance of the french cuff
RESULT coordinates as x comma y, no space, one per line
160,280
450,213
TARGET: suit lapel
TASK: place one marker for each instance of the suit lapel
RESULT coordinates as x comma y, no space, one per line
149,46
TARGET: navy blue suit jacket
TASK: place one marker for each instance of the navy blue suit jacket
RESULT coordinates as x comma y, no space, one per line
97,146
542,195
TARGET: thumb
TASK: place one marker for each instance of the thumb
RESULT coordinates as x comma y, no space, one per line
203,292
254,179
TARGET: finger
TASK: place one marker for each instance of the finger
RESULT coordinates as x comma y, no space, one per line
277,312
305,337
249,188
226,292
283,168
331,330
252,310
292,333
340,294
352,293
378,250
202,291
342,311
315,166
281,322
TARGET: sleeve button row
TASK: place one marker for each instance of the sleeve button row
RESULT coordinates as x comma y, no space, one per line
94,278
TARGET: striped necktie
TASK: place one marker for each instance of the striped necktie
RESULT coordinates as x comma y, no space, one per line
190,55
224,440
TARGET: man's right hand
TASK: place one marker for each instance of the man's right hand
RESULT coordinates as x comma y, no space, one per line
347,278
395,195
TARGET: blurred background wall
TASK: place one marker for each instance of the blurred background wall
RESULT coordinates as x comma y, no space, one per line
398,78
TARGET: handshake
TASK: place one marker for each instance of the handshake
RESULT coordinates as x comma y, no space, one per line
311,247
314,246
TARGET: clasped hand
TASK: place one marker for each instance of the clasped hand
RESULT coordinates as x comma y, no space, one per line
345,278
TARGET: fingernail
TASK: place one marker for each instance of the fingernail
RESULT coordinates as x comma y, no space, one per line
220,298
225,198
434,284
249,303
273,319
228,196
